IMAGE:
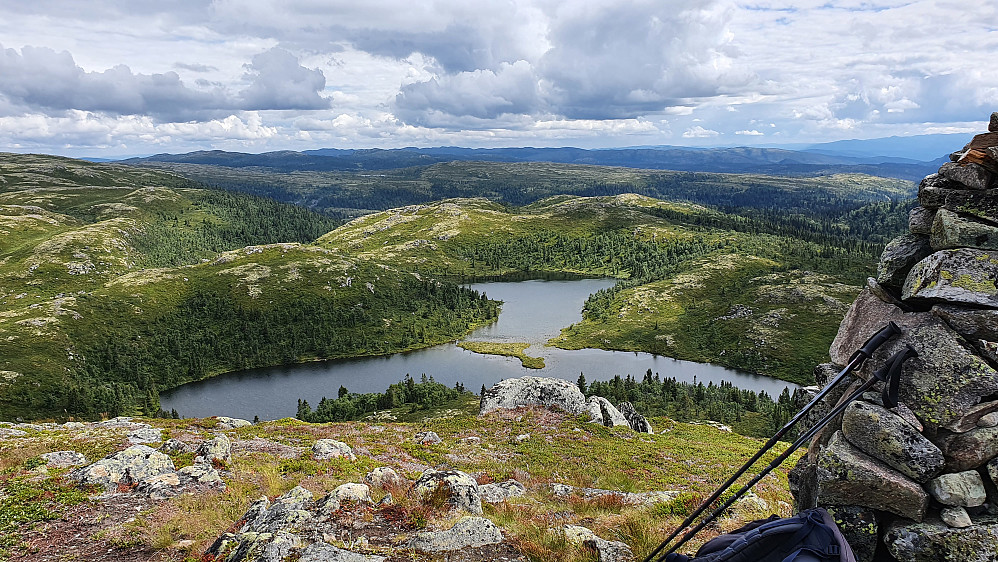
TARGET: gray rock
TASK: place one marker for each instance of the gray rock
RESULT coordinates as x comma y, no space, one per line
534,391
601,411
920,220
352,492
8,432
971,449
634,498
160,487
974,415
383,476
950,230
64,459
972,202
176,446
965,489
145,435
971,176
956,517
971,323
993,125
954,276
885,436
201,473
634,419
469,532
606,551
427,438
325,449
501,491
125,467
231,423
988,420
122,422
942,383
322,552
934,541
899,256
860,527
847,476
461,489
219,448
992,468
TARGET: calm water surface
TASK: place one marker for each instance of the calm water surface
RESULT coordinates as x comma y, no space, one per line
534,311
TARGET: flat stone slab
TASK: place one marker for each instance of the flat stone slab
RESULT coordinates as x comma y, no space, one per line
899,256
958,276
971,449
884,435
847,476
469,532
981,203
950,230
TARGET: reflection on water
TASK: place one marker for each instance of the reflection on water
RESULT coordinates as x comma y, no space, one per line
534,311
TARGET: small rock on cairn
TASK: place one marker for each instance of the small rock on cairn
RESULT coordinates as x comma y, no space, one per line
917,483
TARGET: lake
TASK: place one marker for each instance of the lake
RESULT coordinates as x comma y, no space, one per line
534,311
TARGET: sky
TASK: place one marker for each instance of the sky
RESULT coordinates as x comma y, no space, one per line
133,77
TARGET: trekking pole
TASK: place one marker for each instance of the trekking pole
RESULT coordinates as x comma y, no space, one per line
855,361
889,373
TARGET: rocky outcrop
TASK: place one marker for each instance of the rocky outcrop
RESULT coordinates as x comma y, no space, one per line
601,411
501,491
605,551
64,459
124,468
510,394
469,532
460,489
217,449
634,419
916,482
325,449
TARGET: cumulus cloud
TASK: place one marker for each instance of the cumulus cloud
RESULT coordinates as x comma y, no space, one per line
698,132
41,79
750,133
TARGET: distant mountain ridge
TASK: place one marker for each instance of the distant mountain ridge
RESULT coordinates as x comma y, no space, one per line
775,161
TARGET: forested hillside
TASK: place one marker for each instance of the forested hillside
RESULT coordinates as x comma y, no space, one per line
118,282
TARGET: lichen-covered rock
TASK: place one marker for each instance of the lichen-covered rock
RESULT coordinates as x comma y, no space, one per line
847,476
534,391
971,323
634,419
934,541
200,473
322,552
899,256
920,220
219,448
950,230
501,491
461,489
469,532
427,438
231,423
885,436
176,446
971,176
601,411
956,517
635,498
606,551
383,476
955,276
971,449
325,449
964,489
942,383
977,203
160,487
860,527
124,467
145,435
352,492
64,459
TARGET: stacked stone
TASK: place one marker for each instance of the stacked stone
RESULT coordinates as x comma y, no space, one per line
919,482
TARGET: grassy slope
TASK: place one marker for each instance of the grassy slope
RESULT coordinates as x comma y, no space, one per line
560,449
112,285
794,314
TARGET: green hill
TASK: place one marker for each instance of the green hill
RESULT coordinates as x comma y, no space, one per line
116,282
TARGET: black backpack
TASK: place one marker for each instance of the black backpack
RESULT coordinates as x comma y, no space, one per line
809,536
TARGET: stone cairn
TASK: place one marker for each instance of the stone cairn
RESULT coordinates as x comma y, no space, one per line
917,482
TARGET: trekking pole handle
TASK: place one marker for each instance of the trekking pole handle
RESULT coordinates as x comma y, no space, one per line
875,341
